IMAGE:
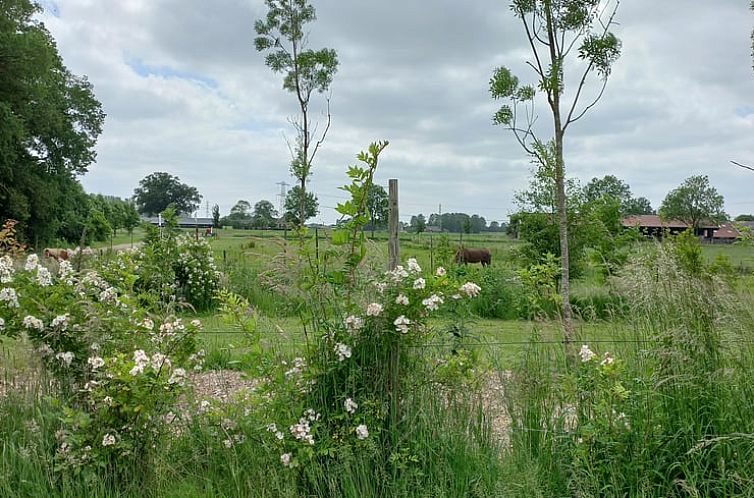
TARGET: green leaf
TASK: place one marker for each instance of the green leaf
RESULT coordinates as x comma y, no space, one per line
340,237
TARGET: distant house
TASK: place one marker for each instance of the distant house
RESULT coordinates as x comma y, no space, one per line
652,225
183,222
726,234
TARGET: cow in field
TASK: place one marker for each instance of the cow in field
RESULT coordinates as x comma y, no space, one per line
470,255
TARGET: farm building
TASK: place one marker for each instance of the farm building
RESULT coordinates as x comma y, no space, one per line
726,234
652,225
184,222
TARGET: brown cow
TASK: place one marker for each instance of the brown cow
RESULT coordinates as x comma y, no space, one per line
56,254
469,255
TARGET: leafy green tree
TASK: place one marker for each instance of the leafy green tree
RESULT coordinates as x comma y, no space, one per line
265,214
694,202
131,219
377,207
638,205
49,124
418,223
744,217
158,190
608,185
216,216
293,203
239,216
553,29
284,37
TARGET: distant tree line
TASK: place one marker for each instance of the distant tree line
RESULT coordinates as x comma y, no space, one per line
454,223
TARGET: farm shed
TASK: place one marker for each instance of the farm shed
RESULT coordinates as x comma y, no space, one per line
652,225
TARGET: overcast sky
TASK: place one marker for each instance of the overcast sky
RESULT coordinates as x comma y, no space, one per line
185,92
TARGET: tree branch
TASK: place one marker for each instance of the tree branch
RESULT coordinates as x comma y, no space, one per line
743,166
324,133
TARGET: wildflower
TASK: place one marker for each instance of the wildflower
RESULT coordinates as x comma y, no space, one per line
279,435
398,274
381,286
362,432
433,302
65,358
60,321
228,443
108,440
272,428
343,351
401,299
298,366
420,283
178,377
470,289
301,430
311,415
440,272
141,360
413,266
95,362
159,360
204,406
8,295
196,323
401,324
44,277
350,405
2,324
31,322
353,323
285,459
607,360
108,295
108,400
374,309
455,297
586,353
31,262
65,269
45,350
6,269
147,324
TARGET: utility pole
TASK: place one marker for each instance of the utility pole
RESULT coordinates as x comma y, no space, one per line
281,196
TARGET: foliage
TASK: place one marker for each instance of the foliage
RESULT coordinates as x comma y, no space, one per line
50,124
159,190
265,214
378,208
695,203
610,186
294,202
216,216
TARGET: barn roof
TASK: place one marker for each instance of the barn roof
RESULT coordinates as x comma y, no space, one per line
654,221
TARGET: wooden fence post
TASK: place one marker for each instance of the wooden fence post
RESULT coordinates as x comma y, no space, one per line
393,225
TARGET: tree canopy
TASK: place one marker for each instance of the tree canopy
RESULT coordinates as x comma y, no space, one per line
159,190
293,202
49,124
694,202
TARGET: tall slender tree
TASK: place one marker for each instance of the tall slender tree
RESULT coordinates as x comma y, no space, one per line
282,36
564,36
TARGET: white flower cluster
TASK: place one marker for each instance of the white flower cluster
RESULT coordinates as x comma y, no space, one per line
298,366
586,354
32,262
60,322
8,295
402,324
374,309
6,270
2,324
178,377
440,272
109,295
285,459
274,428
470,289
95,362
343,351
65,271
362,432
398,274
302,430
31,322
433,302
65,358
141,361
353,323
108,440
402,299
420,283
197,359
350,405
413,265
607,359
44,277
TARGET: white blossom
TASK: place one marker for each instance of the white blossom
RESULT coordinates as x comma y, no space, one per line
178,377
381,286
108,400
343,351
147,324
31,262
108,440
586,353
374,309
65,358
398,274
285,459
31,322
109,295
420,283
6,269
350,405
470,289
298,366
607,360
44,277
65,269
272,427
402,299
61,321
353,322
2,324
159,360
401,324
413,266
362,432
196,323
440,272
141,360
433,302
8,295
95,362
